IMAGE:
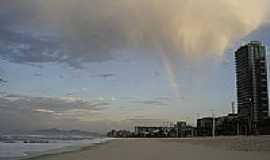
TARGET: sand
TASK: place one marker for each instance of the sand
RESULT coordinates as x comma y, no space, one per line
221,148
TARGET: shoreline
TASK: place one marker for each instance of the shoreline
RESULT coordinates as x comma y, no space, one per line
64,150
132,147
44,155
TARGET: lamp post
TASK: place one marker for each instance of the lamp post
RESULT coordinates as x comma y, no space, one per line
238,127
214,124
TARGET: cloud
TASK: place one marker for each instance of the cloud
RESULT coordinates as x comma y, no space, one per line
104,75
56,104
30,111
27,48
158,101
165,98
142,121
24,48
2,81
44,110
191,26
94,30
154,102
37,74
3,92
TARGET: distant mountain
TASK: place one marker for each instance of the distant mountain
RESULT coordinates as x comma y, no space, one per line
55,131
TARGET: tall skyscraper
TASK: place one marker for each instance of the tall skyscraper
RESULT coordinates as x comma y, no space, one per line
252,92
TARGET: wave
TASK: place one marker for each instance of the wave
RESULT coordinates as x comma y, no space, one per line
21,151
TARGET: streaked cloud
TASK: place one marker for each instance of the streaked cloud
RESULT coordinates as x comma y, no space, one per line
143,121
37,74
44,110
154,102
23,112
2,81
48,104
159,101
104,75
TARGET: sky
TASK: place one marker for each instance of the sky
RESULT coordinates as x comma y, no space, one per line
102,64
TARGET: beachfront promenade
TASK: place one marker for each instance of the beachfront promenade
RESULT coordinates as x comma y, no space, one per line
221,148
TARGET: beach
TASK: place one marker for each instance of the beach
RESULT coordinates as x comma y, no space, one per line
220,148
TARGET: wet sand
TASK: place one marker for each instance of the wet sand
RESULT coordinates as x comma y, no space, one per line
222,148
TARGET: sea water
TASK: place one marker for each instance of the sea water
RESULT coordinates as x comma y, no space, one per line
13,148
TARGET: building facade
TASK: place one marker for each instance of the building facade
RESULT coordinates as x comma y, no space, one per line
251,81
205,126
224,125
227,125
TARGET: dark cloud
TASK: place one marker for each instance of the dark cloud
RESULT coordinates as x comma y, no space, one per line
104,75
16,11
3,78
2,81
26,48
27,38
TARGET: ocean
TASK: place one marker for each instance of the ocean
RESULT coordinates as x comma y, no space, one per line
13,147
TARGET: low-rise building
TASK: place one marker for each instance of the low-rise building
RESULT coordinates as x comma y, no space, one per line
184,130
143,131
119,133
205,126
224,125
227,125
